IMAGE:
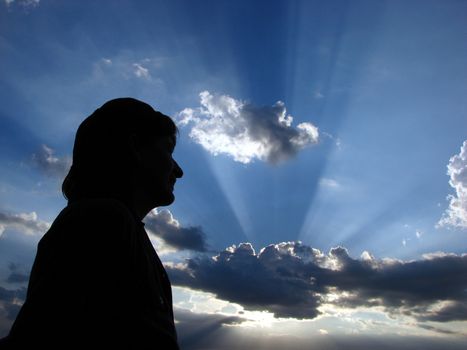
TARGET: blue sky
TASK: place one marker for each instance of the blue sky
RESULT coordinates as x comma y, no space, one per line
332,123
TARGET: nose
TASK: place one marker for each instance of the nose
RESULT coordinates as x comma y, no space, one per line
178,172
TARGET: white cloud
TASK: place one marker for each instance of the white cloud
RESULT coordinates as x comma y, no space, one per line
366,256
439,255
337,141
456,214
27,223
50,164
224,125
126,66
331,183
141,72
318,95
23,3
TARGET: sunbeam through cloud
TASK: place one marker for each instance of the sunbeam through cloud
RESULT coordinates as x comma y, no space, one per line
245,132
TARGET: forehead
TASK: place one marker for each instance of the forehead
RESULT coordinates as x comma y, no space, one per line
165,142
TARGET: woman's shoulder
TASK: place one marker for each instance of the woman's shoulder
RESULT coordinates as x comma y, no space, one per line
99,209
96,217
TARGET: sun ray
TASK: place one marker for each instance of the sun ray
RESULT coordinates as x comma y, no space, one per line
225,173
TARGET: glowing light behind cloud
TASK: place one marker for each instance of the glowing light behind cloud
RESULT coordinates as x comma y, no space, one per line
224,125
307,77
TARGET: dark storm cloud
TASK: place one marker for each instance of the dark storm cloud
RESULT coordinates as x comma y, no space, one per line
437,329
453,311
162,224
398,284
255,281
11,301
10,304
7,294
51,165
293,280
17,275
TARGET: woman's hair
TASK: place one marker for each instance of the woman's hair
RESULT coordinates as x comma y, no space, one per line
102,157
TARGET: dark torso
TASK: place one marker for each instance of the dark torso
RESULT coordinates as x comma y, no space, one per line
96,280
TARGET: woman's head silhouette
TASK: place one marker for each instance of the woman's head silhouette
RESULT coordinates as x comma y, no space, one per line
106,152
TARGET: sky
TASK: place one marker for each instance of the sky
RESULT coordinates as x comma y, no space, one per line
324,149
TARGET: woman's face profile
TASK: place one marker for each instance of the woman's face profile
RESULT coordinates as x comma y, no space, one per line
158,171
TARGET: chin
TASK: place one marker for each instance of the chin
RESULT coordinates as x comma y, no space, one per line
165,200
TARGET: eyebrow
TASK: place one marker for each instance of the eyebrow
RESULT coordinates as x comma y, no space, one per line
172,143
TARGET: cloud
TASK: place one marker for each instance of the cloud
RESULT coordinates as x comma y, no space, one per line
17,275
456,214
27,223
106,61
141,72
293,280
23,3
449,311
194,328
224,125
330,183
161,223
437,329
128,67
10,304
256,281
51,165
317,94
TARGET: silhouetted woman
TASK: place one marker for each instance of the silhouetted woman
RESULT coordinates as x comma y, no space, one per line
96,279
